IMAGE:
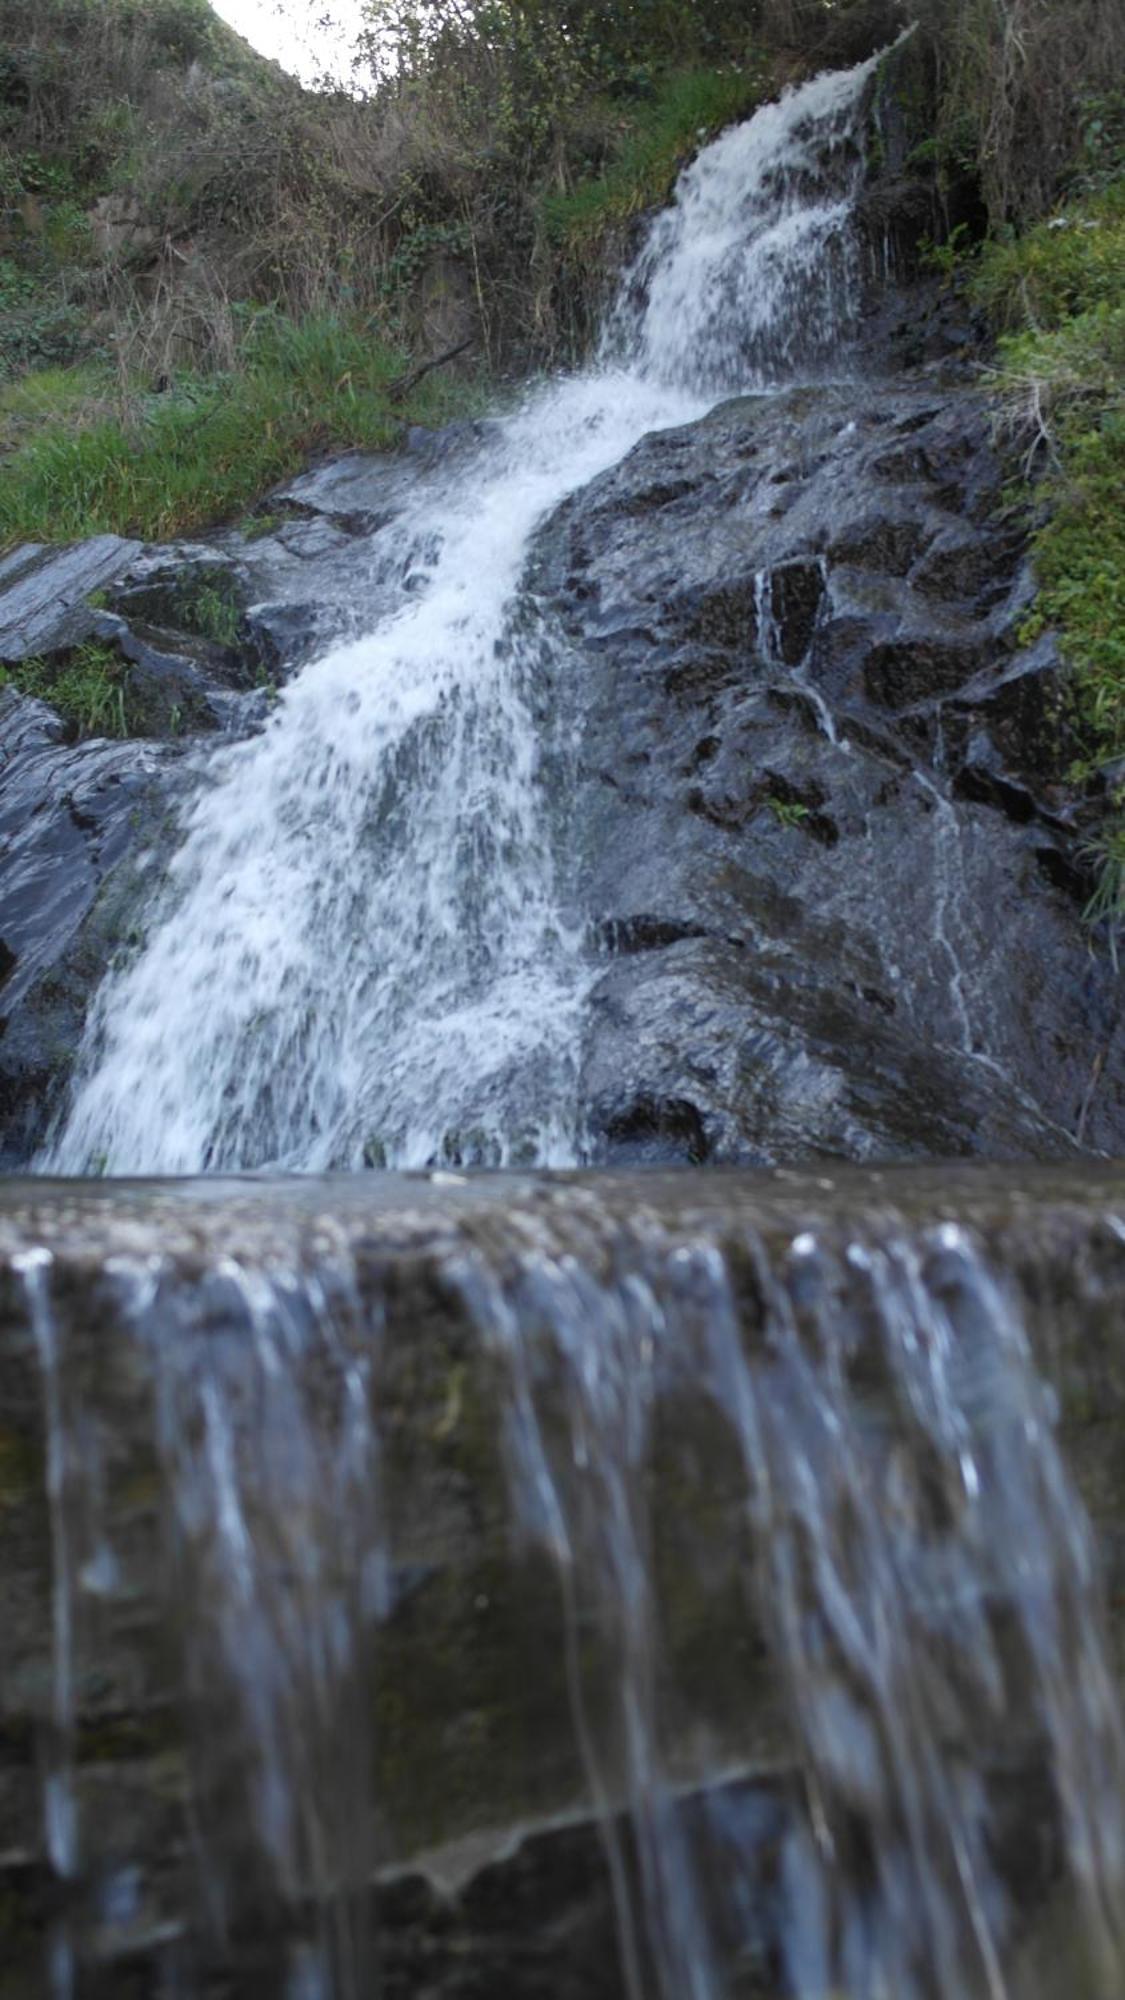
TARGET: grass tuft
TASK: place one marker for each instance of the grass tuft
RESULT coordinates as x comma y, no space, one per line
88,688
1062,382
208,446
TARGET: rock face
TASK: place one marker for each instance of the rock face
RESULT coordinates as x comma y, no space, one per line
44,593
820,829
822,825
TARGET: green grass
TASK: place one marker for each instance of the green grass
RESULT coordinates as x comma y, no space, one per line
1063,267
653,139
88,689
52,395
1062,377
207,448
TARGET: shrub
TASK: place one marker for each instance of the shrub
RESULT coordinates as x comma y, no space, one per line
1014,84
650,142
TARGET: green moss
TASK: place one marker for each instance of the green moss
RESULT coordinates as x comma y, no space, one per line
255,527
788,812
202,599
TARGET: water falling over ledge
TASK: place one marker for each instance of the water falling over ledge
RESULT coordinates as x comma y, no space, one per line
365,1533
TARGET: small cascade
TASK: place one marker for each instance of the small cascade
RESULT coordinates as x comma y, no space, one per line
778,650
395,1534
947,845
365,952
753,275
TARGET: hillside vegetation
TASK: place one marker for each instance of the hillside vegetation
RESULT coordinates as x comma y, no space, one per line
207,271
1057,293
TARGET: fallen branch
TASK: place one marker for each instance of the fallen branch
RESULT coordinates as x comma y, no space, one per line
399,390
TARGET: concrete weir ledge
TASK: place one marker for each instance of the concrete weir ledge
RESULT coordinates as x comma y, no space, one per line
131,1311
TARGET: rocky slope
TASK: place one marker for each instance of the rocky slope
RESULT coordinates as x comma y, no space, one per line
825,832
819,827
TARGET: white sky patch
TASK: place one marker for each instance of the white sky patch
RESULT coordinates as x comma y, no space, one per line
308,39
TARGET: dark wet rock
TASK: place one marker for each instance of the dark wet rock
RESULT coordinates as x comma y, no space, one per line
358,493
879,542
903,673
823,781
73,821
906,205
286,636
1020,728
172,693
44,593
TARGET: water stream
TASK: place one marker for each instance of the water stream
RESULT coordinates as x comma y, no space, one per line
652,1588
365,953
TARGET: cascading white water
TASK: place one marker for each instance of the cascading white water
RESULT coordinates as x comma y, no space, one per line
362,953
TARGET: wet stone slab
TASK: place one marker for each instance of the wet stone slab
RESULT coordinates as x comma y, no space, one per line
348,1522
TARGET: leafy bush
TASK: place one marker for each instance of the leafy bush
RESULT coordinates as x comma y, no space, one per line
1015,81
1058,269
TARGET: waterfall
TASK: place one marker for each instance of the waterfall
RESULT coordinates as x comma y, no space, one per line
652,1587
365,951
399,1537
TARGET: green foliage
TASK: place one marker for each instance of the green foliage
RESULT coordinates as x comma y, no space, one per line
611,41
87,687
1106,853
209,446
1080,566
651,140
1019,87
1063,267
1100,155
255,527
216,615
788,812
38,324
1062,379
50,395
949,257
